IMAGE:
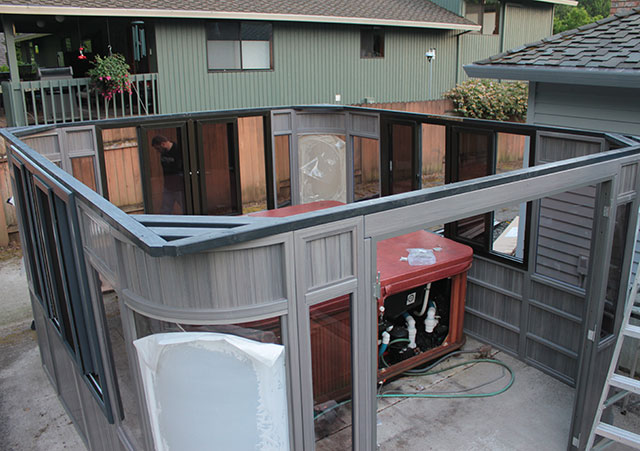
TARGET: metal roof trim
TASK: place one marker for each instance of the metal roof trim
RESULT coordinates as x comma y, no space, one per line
201,14
623,78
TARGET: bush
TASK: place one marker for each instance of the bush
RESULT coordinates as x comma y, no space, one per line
110,75
489,99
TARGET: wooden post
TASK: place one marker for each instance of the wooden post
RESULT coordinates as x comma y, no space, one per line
10,42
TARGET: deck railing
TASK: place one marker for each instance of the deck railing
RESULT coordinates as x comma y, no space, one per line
73,100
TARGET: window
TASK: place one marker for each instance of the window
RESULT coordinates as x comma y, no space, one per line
371,42
239,45
485,13
478,153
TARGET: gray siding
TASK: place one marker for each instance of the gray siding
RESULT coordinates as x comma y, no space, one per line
586,107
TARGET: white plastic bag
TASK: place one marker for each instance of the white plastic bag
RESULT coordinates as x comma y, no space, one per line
421,257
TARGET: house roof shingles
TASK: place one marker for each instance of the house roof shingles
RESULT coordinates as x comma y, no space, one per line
410,11
607,48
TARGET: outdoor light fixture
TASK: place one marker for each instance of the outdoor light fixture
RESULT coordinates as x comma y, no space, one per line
430,55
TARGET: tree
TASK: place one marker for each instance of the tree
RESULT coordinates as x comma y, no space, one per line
587,11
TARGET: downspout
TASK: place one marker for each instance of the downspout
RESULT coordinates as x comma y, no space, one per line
503,25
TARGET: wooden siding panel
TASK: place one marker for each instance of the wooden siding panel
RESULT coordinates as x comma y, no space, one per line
312,63
526,23
97,238
475,47
561,300
495,274
217,280
491,332
560,331
329,259
551,360
493,304
564,233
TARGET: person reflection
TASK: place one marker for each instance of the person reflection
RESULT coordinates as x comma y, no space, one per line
171,160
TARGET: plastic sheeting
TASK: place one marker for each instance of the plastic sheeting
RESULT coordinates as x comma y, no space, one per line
208,390
323,168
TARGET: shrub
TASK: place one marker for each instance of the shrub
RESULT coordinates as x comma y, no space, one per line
489,99
110,75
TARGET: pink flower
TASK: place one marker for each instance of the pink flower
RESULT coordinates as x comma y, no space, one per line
108,77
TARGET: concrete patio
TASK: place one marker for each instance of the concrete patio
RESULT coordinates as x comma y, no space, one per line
533,414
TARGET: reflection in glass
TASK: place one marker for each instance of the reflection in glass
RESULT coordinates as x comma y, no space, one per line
84,170
167,173
510,150
402,158
331,368
219,169
282,168
366,168
614,279
252,165
122,168
434,143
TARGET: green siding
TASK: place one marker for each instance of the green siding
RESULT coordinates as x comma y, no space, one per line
312,63
474,47
455,6
526,23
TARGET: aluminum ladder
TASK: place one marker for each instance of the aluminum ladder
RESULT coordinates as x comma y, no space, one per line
626,384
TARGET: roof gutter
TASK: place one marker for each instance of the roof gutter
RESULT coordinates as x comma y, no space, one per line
582,76
193,14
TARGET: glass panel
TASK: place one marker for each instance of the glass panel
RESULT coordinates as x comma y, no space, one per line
223,31
166,170
84,170
508,231
402,158
256,55
331,368
366,168
31,255
126,386
219,170
255,31
371,43
434,143
323,168
60,312
511,152
265,331
252,166
614,279
122,168
282,168
223,54
474,155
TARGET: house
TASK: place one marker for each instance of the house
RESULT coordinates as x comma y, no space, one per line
101,280
224,54
587,78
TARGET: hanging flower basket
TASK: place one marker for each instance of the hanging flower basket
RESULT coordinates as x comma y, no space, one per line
110,75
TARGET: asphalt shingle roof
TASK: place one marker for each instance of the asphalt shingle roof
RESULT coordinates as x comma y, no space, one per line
398,10
611,43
